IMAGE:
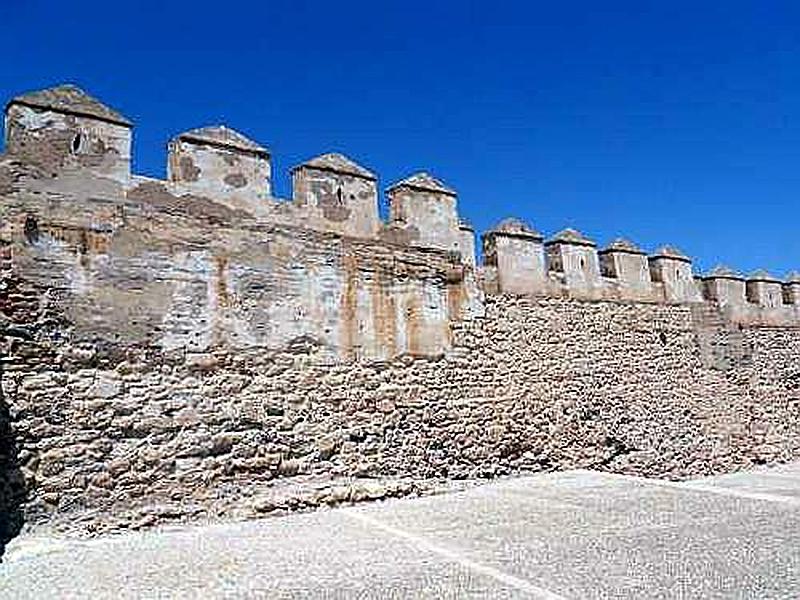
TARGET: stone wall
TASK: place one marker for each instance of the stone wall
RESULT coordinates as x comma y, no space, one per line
536,384
195,348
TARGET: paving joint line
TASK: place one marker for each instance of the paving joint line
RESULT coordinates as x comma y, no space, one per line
421,542
696,485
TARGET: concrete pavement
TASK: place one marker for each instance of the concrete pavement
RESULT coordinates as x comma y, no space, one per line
577,534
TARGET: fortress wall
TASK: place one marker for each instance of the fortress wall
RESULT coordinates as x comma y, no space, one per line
140,436
74,147
520,262
189,348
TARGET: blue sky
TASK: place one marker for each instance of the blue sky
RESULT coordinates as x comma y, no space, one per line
665,122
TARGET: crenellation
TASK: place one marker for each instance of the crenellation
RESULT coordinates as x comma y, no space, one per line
624,262
220,163
338,194
426,209
573,257
764,290
726,287
63,130
216,213
673,270
516,251
791,290
466,243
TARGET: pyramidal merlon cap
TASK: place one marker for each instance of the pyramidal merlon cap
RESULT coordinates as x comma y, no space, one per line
671,252
762,275
723,272
72,100
425,182
336,163
465,224
223,137
571,236
513,227
793,277
623,245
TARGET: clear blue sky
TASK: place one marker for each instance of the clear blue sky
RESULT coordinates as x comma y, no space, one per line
665,122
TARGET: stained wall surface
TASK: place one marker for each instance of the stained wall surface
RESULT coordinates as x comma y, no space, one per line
344,200
238,178
58,144
177,272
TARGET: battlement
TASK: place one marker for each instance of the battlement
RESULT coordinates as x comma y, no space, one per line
268,270
66,133
519,260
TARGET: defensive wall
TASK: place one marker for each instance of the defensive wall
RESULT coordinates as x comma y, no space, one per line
195,347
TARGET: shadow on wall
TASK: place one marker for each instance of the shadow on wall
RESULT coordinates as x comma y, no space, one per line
12,482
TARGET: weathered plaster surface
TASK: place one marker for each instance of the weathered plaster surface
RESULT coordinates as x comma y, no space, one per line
430,216
336,201
55,143
235,178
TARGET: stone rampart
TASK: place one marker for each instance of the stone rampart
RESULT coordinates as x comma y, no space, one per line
196,347
518,260
535,384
